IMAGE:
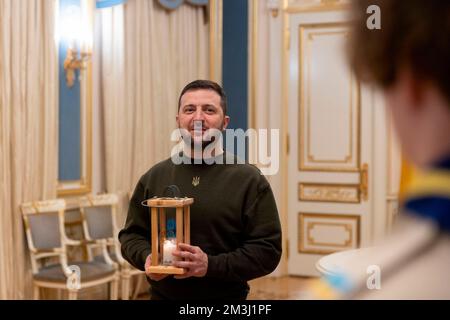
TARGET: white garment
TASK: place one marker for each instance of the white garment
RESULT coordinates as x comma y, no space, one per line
414,263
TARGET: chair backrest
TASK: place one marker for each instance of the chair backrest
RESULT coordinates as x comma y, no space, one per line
44,224
99,222
44,228
99,216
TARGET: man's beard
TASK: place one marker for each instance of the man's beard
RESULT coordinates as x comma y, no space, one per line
193,144
203,143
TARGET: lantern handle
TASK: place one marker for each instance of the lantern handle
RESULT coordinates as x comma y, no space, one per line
144,203
169,192
172,191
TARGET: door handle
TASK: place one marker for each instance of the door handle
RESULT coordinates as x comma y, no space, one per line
364,182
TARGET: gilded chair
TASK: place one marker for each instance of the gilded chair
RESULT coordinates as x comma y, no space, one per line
47,240
99,214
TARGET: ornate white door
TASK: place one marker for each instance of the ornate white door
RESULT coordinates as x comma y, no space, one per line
330,160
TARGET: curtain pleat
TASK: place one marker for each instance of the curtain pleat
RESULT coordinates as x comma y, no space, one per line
28,129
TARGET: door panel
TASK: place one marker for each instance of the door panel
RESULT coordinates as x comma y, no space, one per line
327,233
330,144
329,101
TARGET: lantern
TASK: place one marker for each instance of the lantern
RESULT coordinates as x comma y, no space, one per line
168,232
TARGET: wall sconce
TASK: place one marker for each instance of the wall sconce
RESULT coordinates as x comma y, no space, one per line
76,33
74,62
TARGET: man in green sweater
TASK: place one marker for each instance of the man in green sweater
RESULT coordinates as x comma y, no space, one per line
235,228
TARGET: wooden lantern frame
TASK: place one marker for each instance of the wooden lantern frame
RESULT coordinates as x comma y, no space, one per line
158,208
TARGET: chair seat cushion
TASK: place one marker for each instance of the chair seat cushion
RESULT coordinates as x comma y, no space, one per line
89,271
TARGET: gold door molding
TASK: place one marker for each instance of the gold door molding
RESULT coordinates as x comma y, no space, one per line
329,101
298,6
320,233
328,192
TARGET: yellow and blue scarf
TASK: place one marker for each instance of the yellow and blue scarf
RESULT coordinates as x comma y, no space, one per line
429,195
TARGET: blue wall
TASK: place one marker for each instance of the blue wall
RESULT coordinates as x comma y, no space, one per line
235,60
69,115
235,66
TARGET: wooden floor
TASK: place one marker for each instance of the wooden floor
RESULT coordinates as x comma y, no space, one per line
270,288
280,288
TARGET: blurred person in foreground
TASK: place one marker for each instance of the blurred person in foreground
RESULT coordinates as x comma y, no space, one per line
409,60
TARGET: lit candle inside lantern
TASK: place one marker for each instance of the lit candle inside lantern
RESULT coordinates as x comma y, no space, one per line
168,247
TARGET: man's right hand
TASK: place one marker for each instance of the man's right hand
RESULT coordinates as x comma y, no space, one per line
153,276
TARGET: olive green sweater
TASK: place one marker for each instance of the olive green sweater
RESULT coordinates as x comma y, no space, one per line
234,220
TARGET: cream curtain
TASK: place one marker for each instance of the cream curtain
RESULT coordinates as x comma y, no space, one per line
148,54
28,129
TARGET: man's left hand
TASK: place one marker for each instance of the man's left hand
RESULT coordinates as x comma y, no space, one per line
195,261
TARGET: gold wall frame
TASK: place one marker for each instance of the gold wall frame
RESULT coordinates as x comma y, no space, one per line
83,185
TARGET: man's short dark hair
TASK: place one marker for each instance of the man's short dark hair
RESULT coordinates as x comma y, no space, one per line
207,85
414,33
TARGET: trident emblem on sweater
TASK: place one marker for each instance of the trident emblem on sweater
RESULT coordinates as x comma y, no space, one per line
195,181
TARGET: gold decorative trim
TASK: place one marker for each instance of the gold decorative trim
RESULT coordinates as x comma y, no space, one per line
324,192
252,71
324,5
284,132
253,65
305,124
347,226
364,182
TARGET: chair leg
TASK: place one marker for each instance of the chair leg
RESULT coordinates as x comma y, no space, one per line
35,292
73,294
114,287
126,286
137,288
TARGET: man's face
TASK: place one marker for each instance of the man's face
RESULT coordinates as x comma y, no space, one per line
200,109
